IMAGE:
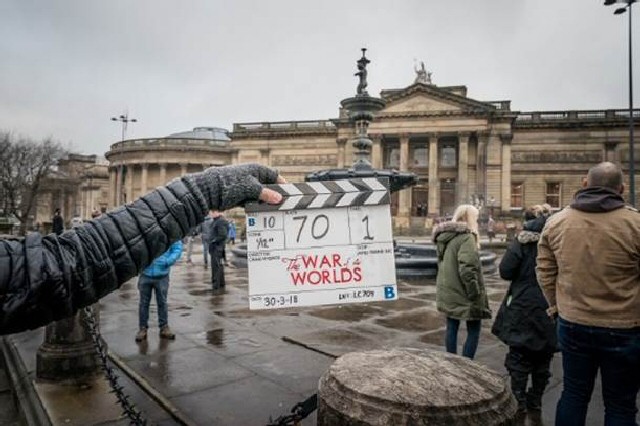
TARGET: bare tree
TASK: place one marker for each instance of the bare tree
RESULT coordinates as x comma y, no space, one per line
24,164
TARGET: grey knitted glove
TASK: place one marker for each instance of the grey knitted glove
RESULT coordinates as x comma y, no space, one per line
231,186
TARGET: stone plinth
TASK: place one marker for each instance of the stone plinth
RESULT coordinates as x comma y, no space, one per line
68,353
412,387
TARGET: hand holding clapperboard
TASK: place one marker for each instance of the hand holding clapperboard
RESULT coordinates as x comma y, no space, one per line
326,243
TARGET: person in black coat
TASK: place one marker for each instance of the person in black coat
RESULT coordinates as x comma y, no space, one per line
219,230
522,321
45,279
57,223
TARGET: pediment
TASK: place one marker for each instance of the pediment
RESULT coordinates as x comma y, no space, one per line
429,98
421,102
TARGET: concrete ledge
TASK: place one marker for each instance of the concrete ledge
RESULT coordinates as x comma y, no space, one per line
30,406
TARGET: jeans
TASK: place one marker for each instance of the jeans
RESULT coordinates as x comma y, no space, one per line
473,337
613,351
146,285
205,252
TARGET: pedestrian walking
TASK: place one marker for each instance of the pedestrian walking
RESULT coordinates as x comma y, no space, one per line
219,229
57,222
460,292
192,236
206,228
491,231
232,232
588,266
81,266
522,321
155,279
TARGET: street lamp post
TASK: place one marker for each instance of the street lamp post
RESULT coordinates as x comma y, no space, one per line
632,164
125,120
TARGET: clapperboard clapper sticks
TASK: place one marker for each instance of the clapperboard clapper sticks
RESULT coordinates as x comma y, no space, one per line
326,243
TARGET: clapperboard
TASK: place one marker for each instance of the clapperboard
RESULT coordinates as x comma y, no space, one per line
326,243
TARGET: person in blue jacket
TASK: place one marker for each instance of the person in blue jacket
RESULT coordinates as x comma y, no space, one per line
155,277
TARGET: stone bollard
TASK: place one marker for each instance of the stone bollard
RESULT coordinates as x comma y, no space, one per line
412,387
67,353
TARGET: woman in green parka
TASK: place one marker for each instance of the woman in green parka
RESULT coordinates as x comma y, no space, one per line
460,292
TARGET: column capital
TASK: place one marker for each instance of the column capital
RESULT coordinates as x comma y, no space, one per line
465,135
404,136
376,137
484,134
265,151
506,138
341,142
144,166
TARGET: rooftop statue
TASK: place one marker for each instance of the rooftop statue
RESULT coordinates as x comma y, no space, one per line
422,75
362,73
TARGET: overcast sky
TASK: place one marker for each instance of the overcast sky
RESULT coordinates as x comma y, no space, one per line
66,67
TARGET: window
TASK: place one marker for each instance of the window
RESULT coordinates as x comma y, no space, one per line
392,156
517,195
553,194
419,155
448,156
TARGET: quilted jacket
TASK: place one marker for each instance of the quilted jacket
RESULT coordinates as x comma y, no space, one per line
43,279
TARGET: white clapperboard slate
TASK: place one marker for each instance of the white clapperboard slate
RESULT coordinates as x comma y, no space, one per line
326,243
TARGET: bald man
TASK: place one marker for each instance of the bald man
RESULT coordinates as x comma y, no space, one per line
588,266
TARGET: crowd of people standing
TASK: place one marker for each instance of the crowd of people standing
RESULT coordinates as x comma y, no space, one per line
574,288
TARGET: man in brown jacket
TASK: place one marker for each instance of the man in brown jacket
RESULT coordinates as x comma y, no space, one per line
588,266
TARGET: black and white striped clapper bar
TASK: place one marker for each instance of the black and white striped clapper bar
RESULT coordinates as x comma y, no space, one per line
315,195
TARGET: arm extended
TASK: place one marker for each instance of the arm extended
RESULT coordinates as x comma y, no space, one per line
43,279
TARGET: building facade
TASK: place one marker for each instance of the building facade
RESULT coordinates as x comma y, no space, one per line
463,151
77,187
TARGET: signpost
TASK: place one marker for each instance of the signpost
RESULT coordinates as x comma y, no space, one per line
326,243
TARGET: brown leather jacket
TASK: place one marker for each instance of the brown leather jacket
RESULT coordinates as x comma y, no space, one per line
588,263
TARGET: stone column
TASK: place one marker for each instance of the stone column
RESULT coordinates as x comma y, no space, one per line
342,142
409,387
130,169
434,185
505,190
234,156
264,156
113,178
183,169
163,173
404,197
463,168
143,179
481,164
610,151
67,352
376,151
119,185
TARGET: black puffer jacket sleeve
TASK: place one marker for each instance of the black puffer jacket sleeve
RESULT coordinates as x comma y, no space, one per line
43,279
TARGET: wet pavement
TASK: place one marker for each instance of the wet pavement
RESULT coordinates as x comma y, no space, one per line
229,365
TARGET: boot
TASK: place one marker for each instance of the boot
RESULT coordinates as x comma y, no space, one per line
166,333
141,335
519,389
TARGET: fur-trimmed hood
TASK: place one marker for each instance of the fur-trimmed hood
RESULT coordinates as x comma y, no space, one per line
444,231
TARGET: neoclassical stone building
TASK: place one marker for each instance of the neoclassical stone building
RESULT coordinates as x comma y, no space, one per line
138,165
463,150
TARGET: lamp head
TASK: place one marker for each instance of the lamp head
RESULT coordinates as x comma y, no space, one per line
620,11
609,2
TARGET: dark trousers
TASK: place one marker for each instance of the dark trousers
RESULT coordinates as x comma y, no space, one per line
217,266
613,351
522,363
473,337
